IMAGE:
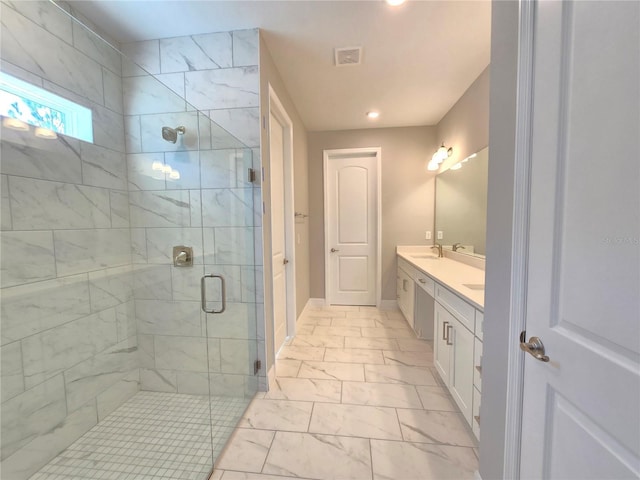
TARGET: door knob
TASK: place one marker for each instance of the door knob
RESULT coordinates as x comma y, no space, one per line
285,261
333,250
534,346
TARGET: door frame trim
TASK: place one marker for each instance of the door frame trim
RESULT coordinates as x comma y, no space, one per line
520,240
277,110
327,156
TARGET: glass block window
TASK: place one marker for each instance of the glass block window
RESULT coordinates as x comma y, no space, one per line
42,109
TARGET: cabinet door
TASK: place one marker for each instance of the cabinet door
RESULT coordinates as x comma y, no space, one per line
441,349
461,368
406,295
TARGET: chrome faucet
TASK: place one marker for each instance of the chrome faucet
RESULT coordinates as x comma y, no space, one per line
457,246
439,247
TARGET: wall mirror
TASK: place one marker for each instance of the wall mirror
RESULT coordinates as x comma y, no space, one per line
461,204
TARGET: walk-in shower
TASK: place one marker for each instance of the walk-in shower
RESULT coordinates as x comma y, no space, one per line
111,366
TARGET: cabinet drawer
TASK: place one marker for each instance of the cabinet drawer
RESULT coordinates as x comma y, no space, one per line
477,364
458,307
425,282
475,424
479,322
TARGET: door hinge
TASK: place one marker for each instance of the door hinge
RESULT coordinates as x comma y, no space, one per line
257,365
251,175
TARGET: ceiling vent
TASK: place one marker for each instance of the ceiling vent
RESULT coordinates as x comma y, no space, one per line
348,56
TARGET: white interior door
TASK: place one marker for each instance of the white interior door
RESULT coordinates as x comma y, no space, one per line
581,410
351,223
278,238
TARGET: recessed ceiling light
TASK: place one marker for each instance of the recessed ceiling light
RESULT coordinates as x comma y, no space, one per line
395,3
373,115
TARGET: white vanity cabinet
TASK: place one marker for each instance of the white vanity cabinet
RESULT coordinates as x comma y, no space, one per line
453,358
415,292
406,295
454,318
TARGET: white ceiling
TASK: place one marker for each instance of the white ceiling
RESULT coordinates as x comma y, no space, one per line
418,58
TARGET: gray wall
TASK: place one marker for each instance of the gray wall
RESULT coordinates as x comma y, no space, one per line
466,126
504,56
407,193
69,354
269,75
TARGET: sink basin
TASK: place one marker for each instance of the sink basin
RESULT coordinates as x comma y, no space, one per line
427,257
474,286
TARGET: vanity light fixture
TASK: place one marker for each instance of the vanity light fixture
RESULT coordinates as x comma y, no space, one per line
15,124
440,156
373,115
395,3
457,166
45,133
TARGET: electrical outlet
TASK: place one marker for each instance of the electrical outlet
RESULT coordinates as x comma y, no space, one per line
440,235
427,235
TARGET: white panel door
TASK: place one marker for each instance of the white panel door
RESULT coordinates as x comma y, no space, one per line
352,230
581,410
278,244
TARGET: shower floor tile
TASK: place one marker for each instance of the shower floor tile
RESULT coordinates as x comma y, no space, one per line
153,435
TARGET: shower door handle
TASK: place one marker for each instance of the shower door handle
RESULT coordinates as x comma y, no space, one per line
203,293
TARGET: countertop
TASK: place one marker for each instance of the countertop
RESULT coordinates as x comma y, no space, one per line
450,273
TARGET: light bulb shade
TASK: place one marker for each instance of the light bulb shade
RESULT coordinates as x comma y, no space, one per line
167,169
15,124
432,166
157,166
45,133
174,175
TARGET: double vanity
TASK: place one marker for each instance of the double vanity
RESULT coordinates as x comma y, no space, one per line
442,298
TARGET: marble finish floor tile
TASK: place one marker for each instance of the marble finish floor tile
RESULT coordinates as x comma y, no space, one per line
371,343
399,374
287,368
332,371
353,322
384,332
338,331
323,320
415,345
356,396
285,415
436,398
246,450
420,461
304,329
292,352
355,421
423,426
231,475
318,341
380,394
319,456
306,390
353,355
411,359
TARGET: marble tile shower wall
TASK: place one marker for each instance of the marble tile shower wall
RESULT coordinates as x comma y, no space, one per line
68,339
212,207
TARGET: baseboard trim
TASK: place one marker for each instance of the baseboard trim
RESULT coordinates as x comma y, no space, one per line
316,302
